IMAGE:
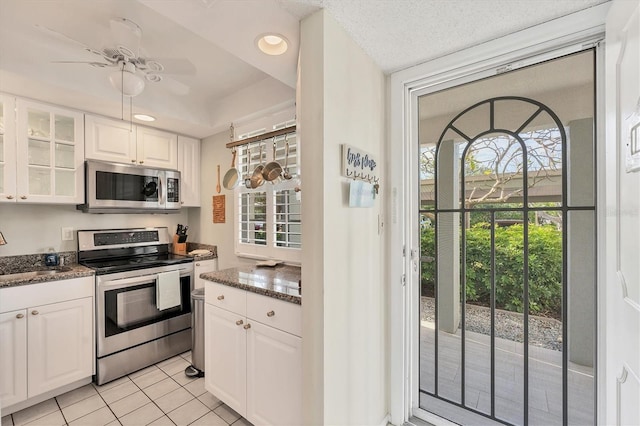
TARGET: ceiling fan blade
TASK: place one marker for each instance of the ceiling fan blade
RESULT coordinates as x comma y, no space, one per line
176,66
126,37
65,38
172,85
93,64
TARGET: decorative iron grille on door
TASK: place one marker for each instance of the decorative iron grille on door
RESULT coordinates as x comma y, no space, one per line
507,222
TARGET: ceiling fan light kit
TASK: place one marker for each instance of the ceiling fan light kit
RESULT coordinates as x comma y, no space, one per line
126,81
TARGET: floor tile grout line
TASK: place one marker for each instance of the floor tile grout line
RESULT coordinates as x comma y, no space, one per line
61,412
108,406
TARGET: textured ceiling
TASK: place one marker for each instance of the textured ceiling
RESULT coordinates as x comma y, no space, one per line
401,33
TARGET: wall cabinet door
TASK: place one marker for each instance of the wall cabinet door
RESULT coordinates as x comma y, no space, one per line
50,154
156,148
110,140
60,344
274,376
226,357
13,357
189,167
7,149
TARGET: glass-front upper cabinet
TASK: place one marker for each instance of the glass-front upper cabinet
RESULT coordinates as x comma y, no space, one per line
50,154
7,149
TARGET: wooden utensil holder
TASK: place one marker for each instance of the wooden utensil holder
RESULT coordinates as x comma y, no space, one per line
179,248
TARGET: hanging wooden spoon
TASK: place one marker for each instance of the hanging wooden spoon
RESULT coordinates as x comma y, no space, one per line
218,182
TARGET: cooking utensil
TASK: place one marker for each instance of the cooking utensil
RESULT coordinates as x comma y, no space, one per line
257,179
232,176
286,173
247,178
273,169
218,181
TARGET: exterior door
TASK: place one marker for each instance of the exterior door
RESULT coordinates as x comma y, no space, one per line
622,316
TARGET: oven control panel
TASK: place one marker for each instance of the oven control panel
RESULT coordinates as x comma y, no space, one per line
114,238
125,237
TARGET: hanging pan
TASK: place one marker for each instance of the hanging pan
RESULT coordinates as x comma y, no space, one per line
256,178
232,176
273,169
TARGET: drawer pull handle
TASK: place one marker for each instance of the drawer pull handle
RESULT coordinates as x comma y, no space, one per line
20,316
23,197
247,326
239,322
221,297
9,197
34,312
270,313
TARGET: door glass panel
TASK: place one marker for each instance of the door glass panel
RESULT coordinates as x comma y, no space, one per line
65,183
514,175
39,152
39,181
65,156
64,128
39,124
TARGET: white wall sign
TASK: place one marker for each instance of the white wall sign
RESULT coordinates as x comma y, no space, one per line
357,164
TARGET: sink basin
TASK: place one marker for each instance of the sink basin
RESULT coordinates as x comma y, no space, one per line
32,274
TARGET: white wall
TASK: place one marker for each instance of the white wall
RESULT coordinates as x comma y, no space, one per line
341,100
213,152
34,228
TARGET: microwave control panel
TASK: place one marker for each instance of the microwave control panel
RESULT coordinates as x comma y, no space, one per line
173,190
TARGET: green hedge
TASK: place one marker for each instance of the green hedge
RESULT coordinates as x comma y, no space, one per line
545,267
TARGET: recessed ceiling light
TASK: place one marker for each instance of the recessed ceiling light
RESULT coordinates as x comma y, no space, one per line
272,43
144,117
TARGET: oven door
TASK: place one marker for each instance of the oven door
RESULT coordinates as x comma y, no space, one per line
127,314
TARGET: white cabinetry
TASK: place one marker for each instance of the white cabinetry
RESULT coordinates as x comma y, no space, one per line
202,267
49,155
47,340
122,142
7,149
253,354
110,140
189,167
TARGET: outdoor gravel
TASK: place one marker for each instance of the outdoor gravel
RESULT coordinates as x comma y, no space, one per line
543,332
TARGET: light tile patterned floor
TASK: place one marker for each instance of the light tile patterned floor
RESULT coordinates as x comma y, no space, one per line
158,395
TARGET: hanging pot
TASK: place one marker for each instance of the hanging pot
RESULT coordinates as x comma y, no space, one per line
256,178
273,169
232,176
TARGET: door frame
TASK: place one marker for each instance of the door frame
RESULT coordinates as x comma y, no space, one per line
546,41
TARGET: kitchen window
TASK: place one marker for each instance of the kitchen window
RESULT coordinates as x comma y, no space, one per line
268,218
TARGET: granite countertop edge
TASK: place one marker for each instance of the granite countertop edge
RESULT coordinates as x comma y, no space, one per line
76,271
258,290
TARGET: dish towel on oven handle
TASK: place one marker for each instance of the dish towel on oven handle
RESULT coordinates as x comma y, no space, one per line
168,290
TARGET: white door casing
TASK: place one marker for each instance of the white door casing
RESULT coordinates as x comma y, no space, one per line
622,268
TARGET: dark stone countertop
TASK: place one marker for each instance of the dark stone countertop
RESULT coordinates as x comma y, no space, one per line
43,274
280,282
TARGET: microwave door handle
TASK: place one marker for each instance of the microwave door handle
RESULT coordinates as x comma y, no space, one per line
160,191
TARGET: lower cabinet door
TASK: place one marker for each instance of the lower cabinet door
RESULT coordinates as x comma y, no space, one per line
13,357
60,344
225,349
274,376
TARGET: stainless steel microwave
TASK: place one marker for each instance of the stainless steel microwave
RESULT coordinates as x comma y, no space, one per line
124,188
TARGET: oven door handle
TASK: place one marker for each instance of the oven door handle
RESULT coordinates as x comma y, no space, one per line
126,282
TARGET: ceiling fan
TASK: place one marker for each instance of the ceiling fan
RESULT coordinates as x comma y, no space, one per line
133,69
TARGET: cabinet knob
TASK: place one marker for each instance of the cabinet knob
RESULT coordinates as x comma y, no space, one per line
239,322
23,197
9,197
20,316
34,312
181,202
197,264
221,297
270,313
141,162
247,326
133,160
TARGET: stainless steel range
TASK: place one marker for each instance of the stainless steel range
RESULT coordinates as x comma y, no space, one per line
143,305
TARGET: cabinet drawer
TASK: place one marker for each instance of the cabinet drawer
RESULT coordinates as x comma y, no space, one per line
276,313
225,297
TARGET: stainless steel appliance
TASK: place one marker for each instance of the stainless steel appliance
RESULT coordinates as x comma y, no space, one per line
125,188
133,330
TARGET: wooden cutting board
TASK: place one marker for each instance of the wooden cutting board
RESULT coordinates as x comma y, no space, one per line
218,209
